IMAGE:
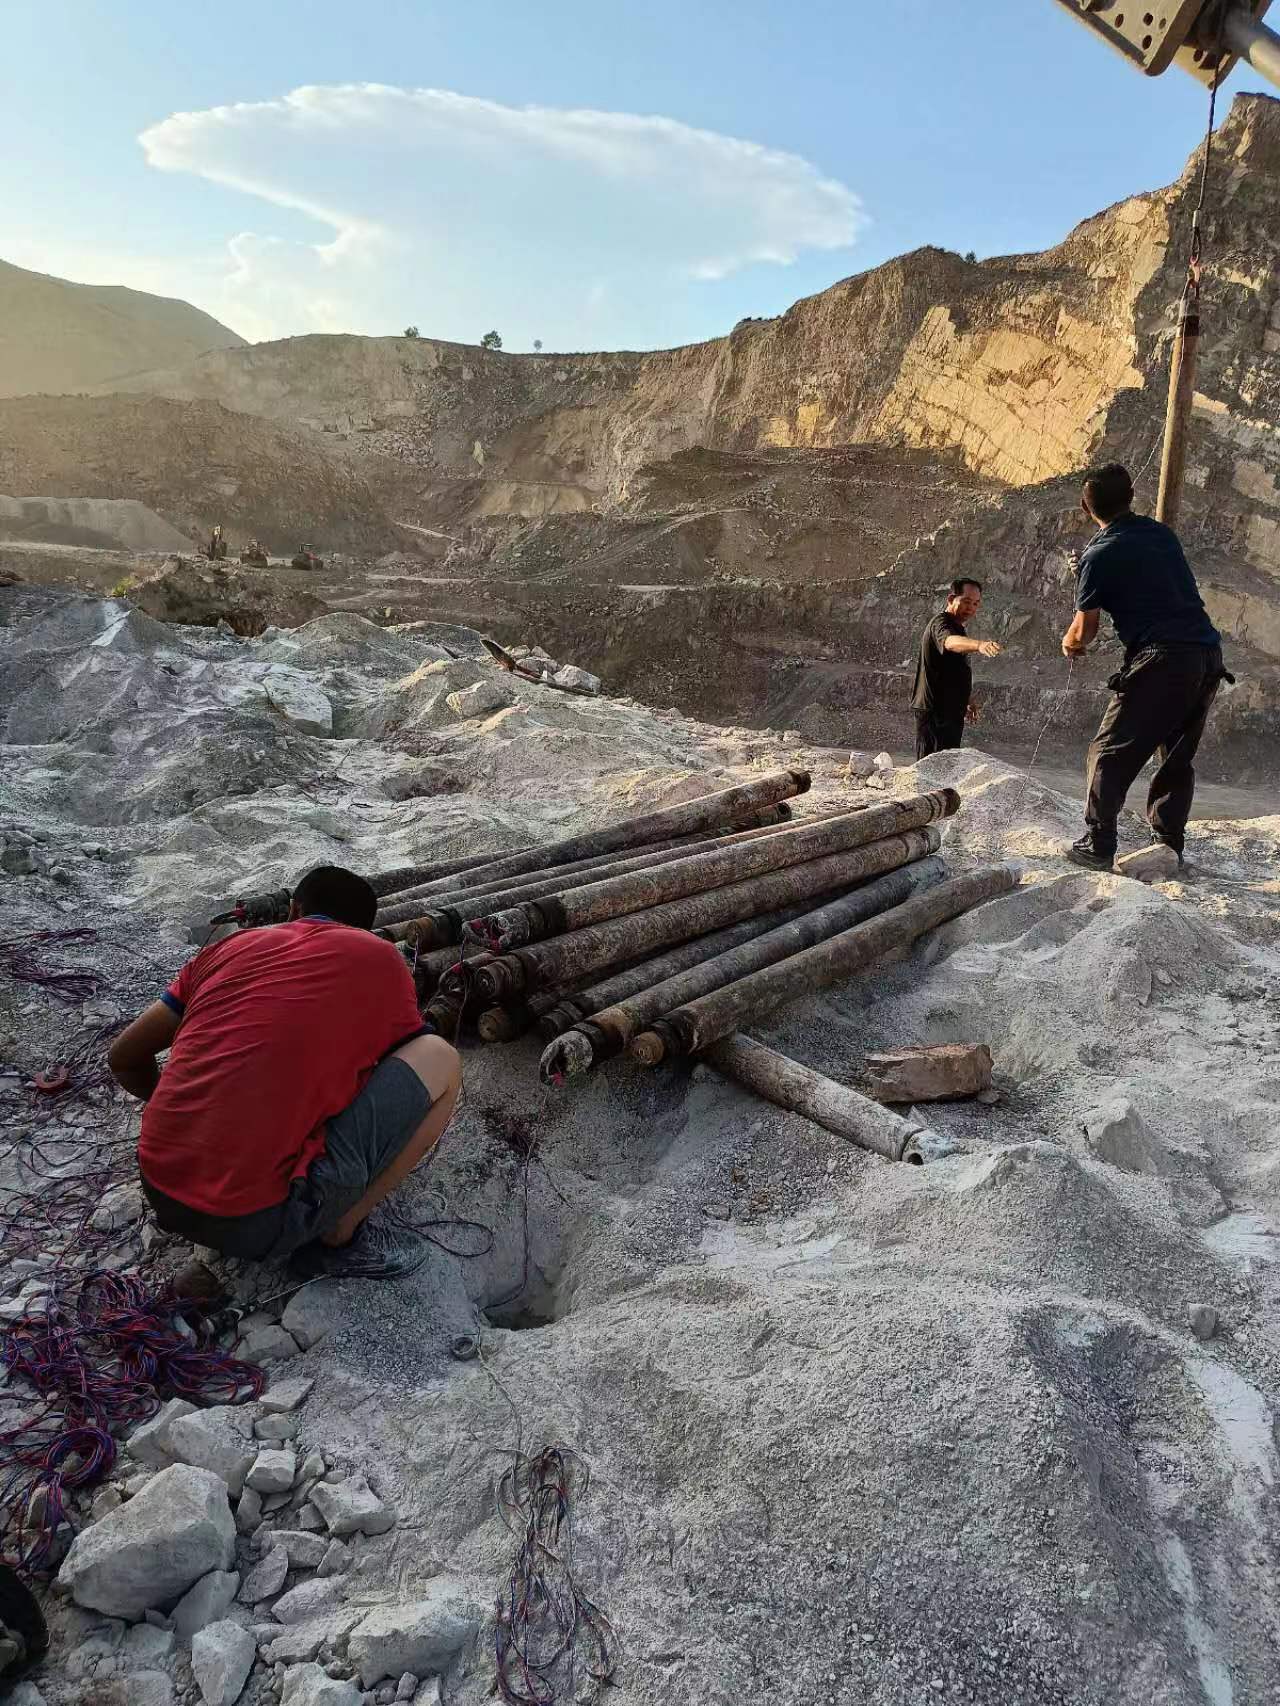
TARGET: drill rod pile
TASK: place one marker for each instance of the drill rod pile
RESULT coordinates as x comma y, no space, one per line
612,897
613,1028
694,1027
666,935
632,935
438,920
731,807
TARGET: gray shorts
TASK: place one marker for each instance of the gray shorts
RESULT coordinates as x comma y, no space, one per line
360,1142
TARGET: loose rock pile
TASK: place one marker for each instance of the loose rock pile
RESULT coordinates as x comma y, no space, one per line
857,1433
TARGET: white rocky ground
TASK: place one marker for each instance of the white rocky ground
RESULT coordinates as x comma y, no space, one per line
857,1433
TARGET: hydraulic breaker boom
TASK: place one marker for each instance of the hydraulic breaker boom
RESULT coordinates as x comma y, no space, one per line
1205,37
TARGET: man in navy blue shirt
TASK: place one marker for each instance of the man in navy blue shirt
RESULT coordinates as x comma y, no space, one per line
1135,570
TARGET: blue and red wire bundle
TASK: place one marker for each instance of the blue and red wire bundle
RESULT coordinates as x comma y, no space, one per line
548,1635
101,1355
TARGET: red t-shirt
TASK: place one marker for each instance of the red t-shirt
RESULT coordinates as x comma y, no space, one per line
280,1029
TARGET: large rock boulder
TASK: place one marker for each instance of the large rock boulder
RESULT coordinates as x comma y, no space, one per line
221,1658
351,1507
421,1637
220,1439
152,1549
580,680
479,700
308,1685
149,1442
289,693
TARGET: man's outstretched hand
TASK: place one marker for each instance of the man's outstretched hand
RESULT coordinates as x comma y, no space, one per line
1083,630
989,648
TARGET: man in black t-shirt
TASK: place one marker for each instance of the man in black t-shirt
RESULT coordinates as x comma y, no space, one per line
1134,569
941,697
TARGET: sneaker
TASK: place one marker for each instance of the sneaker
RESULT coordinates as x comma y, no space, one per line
1085,852
376,1252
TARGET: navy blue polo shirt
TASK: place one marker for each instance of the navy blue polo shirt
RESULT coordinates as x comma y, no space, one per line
1136,571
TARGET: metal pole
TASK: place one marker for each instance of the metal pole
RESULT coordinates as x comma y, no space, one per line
801,1090
1177,420
1254,42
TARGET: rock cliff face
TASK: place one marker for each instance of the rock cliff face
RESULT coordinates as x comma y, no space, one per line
822,450
1022,365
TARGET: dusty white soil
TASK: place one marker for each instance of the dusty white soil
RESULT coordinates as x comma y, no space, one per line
857,1433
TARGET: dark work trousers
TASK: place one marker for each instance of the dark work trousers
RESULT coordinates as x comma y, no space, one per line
937,734
1160,703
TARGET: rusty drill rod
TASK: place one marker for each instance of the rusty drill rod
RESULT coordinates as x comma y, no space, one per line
505,1024
418,904
391,882
447,896
426,925
556,1010
1177,423
559,1010
694,1027
610,1031
549,964
835,1107
595,903
444,891
709,811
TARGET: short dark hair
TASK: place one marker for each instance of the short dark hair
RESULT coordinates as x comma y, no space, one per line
1108,490
345,897
960,582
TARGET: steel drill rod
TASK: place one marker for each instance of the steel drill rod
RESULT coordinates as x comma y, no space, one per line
694,1027
556,1010
414,902
437,922
800,1090
504,1024
559,1010
545,965
442,891
1177,423
421,903
392,882
597,902
709,811
610,1031
430,968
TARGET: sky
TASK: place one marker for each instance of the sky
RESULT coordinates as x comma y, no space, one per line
586,175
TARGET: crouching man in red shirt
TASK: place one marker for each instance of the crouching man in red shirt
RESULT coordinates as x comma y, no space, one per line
301,1087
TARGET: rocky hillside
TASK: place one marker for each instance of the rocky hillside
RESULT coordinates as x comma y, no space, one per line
752,528
1021,365
196,463
57,336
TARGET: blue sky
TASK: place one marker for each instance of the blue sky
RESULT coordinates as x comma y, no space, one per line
597,176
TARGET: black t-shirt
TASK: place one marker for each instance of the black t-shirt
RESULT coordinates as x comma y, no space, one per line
944,679
1135,570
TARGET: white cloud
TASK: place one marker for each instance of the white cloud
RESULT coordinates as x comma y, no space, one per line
458,213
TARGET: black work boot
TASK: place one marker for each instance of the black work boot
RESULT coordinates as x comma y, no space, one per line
1088,853
1173,846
